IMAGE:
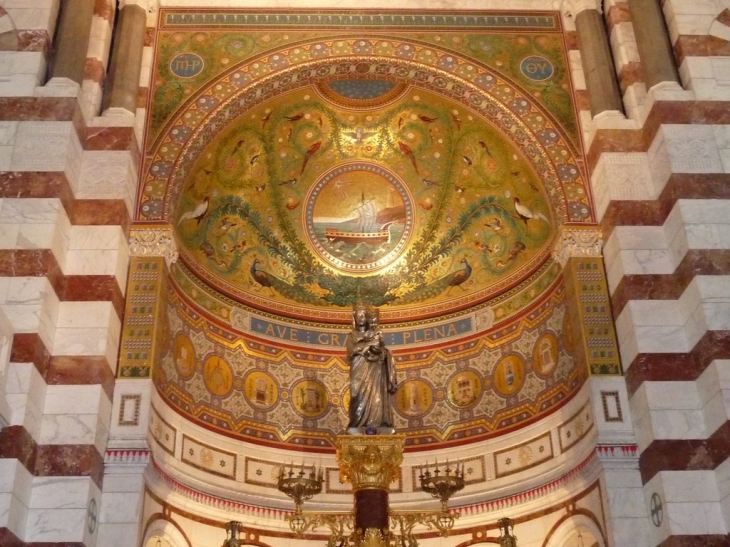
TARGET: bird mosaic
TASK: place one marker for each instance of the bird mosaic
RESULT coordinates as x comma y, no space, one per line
446,218
197,213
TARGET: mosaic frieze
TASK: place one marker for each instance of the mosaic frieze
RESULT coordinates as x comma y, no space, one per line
449,392
507,304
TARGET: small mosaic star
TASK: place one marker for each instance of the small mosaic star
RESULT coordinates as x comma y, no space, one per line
222,463
470,471
508,461
541,449
167,436
569,434
191,451
259,472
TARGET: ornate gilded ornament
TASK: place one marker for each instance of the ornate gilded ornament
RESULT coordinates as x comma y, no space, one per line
370,461
260,390
414,398
184,355
578,242
310,398
545,354
153,242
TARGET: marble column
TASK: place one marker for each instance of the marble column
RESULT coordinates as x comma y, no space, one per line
595,52
652,41
120,93
71,44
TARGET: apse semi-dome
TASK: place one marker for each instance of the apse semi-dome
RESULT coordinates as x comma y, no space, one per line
410,176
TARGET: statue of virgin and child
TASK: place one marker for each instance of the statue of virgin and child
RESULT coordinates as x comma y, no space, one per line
372,375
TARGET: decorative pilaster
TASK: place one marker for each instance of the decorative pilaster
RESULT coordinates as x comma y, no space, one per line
71,43
370,464
579,251
143,317
591,320
578,242
122,497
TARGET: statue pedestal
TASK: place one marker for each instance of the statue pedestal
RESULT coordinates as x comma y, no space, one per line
370,463
371,431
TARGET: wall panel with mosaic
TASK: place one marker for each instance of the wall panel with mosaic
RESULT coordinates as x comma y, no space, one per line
249,388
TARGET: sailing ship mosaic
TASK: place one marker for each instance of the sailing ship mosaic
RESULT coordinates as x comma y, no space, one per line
407,168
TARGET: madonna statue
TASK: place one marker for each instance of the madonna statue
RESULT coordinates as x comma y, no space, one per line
372,376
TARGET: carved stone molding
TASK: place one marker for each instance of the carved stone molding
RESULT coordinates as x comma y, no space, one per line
577,242
617,452
139,456
153,242
147,5
571,8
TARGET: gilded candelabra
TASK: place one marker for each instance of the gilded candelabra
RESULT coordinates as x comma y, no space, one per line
232,534
372,463
443,484
506,537
299,486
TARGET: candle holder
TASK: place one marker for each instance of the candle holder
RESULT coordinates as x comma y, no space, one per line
302,483
300,486
506,537
232,534
443,484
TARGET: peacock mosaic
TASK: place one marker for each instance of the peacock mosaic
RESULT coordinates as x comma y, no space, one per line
307,168
308,160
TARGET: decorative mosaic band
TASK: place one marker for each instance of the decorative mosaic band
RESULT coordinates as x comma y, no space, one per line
142,317
523,456
592,322
332,19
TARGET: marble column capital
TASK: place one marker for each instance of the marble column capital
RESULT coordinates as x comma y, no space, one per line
572,8
147,5
153,242
578,242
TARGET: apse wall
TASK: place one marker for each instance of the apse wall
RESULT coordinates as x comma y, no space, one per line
91,452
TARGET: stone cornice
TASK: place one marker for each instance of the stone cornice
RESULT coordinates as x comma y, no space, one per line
571,8
147,5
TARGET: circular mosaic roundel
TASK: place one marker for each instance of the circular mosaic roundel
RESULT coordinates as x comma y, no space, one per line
359,217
